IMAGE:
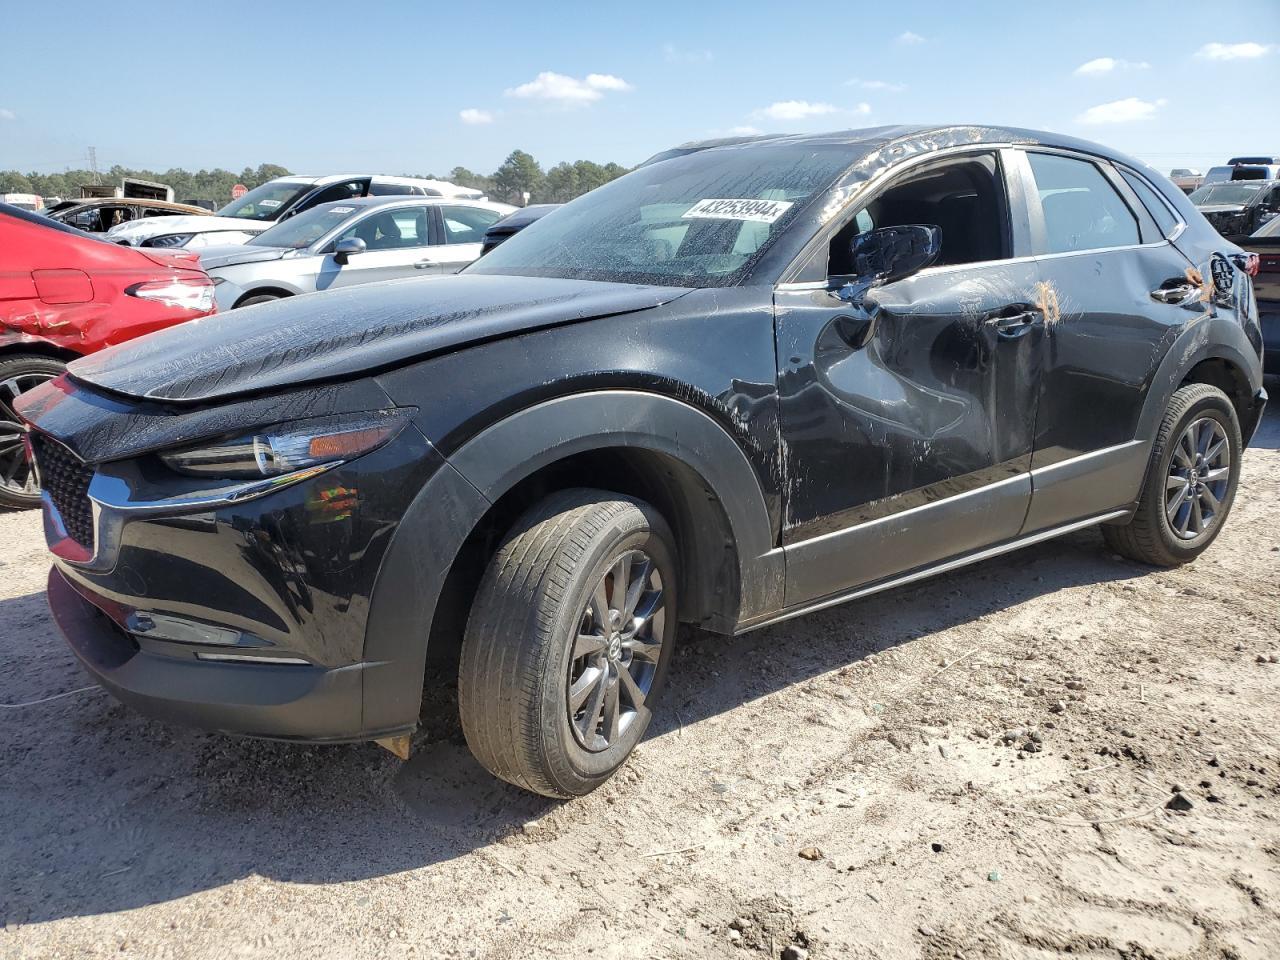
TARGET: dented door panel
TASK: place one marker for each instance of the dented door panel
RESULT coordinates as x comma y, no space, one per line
940,402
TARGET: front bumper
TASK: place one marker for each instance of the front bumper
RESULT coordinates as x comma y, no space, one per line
247,615
279,701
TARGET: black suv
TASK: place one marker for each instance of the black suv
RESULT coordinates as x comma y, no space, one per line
749,380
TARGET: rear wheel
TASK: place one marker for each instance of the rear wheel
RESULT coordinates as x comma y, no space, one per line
18,487
568,642
1191,484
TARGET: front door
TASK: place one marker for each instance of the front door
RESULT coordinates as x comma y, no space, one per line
914,445
397,244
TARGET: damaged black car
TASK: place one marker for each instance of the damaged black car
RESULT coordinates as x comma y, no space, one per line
749,380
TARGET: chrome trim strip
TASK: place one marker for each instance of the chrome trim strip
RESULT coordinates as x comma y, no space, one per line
241,658
1084,457
109,500
892,517
944,567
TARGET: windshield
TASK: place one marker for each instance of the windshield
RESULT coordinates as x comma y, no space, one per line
698,220
266,202
1226,193
306,228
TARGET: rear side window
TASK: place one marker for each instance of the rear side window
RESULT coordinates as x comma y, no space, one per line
467,224
339,191
1082,211
380,188
1159,210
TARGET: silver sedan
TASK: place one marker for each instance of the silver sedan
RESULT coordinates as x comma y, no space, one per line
349,242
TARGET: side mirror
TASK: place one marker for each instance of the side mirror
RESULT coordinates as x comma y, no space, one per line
894,253
347,246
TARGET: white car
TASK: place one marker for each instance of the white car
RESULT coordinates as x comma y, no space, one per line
357,241
241,220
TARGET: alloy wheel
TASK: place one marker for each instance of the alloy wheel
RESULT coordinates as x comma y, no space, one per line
1199,475
16,475
616,651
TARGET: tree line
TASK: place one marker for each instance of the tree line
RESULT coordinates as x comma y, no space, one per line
518,175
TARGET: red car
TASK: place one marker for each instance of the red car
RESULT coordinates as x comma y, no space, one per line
64,294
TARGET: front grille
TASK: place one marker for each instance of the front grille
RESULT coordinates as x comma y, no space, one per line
65,477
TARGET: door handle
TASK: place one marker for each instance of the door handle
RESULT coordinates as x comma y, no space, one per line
424,264
1014,321
1176,292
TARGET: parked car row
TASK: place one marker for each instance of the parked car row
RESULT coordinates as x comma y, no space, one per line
276,200
749,380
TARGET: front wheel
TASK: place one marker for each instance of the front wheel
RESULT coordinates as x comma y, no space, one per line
1191,482
18,487
568,642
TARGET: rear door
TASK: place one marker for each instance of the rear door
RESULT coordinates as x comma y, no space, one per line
1119,292
462,230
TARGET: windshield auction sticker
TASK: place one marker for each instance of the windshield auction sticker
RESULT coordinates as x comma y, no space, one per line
757,211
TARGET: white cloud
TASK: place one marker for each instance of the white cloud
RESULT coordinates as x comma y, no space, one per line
745,131
910,38
861,109
1121,111
1234,51
7,114
475,117
676,55
1100,65
876,85
796,110
567,90
606,81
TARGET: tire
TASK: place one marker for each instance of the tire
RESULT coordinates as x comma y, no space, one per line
537,606
17,480
1153,536
257,298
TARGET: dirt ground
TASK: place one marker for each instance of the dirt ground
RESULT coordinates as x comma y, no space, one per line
975,766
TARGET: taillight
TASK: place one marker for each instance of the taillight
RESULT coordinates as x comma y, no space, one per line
187,293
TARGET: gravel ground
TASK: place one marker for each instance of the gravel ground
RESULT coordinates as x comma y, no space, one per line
978,766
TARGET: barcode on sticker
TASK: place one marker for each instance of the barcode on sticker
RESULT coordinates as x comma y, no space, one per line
757,211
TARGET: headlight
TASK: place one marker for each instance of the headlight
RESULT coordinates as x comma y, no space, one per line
188,293
287,447
171,240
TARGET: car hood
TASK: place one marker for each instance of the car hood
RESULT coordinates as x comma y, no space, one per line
154,226
349,332
231,254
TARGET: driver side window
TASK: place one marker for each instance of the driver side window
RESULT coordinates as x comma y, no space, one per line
963,197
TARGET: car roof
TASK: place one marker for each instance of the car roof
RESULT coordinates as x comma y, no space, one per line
138,201
410,201
885,146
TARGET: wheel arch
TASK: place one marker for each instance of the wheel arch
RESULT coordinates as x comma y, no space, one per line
1216,351
274,291
643,445
19,347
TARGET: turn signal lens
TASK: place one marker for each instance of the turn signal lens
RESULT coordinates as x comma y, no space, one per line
287,447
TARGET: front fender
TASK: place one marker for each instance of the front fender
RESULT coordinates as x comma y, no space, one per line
499,457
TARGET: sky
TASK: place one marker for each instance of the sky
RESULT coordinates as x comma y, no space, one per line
419,87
